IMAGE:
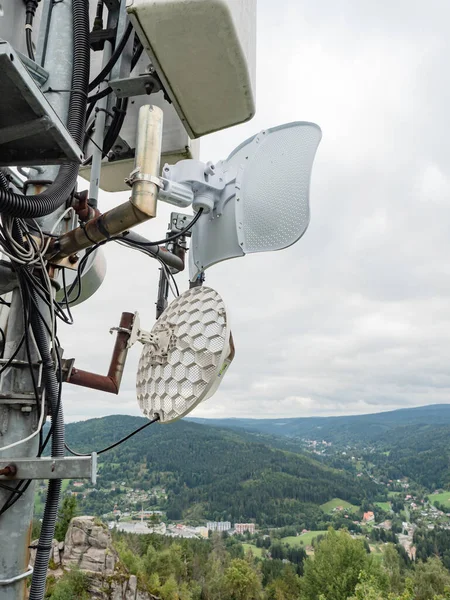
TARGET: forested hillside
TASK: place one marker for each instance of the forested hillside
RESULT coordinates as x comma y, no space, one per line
342,430
213,473
410,443
419,452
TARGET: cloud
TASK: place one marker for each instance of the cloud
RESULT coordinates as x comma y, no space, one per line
355,317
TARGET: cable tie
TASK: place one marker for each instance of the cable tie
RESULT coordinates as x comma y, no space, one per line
103,229
40,547
97,110
83,227
71,91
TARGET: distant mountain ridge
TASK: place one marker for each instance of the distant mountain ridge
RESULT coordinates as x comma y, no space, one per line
342,429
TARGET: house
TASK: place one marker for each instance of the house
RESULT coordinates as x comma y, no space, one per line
368,516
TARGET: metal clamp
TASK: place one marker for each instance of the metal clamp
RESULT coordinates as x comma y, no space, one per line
120,330
17,577
136,175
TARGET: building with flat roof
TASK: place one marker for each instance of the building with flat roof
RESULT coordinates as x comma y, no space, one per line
243,527
218,525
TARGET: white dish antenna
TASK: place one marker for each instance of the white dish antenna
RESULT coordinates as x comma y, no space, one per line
185,356
257,200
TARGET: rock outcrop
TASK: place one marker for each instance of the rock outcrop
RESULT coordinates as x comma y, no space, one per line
88,547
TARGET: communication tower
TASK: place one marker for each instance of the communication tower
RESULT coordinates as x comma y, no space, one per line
114,95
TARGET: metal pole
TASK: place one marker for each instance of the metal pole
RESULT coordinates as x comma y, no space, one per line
18,409
100,122
18,419
57,60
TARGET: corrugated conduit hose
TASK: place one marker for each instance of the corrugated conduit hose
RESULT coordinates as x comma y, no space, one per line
40,205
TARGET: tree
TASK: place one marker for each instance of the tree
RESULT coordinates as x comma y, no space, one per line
392,565
241,581
66,513
285,587
213,586
431,579
335,569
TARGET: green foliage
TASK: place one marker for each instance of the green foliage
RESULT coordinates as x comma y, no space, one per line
336,567
67,511
241,581
431,579
73,585
287,586
435,542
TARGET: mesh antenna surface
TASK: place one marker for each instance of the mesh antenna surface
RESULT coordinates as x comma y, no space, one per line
261,200
186,355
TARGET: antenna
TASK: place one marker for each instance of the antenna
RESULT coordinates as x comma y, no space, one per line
112,91
185,356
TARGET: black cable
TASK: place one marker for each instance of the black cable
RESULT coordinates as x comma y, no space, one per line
136,55
80,270
31,7
114,58
137,246
176,235
13,355
114,128
115,443
99,95
3,342
29,41
4,181
66,299
108,90
54,196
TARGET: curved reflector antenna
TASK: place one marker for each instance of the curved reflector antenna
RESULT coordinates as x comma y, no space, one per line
265,203
189,351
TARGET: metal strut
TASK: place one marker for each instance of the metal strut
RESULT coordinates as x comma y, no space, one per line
111,382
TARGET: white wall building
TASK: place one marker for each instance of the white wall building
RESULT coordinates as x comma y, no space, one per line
218,525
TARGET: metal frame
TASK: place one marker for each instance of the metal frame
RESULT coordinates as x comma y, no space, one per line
72,467
14,76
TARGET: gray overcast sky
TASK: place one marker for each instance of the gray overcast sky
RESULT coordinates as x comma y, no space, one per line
355,317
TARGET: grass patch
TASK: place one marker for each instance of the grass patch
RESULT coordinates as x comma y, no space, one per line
386,506
394,494
328,507
255,550
443,498
302,540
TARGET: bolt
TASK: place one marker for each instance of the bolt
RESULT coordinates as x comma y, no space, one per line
8,470
73,258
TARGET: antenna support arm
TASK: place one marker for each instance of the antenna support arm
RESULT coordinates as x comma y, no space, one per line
141,206
108,383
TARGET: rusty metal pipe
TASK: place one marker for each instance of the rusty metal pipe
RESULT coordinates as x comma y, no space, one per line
144,192
108,383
